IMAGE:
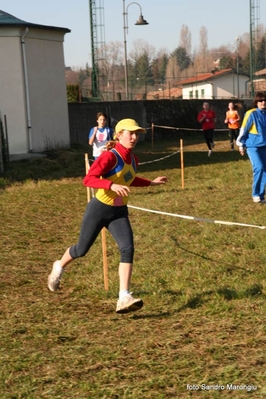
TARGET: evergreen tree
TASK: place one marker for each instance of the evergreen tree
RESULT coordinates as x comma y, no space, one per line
261,54
159,66
245,68
227,62
142,70
182,58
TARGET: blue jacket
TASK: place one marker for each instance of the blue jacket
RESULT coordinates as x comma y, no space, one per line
253,129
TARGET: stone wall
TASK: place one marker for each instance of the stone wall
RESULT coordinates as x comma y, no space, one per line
170,113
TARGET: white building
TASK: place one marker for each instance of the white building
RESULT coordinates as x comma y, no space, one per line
33,88
214,85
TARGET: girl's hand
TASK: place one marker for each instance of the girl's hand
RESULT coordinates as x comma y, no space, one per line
241,151
122,191
159,180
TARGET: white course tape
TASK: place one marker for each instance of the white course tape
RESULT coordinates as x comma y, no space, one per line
189,129
198,219
159,159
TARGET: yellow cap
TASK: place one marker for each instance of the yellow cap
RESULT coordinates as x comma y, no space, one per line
129,124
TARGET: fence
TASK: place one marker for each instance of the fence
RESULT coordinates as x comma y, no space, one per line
144,89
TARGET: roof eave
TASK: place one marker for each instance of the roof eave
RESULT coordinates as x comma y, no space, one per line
34,26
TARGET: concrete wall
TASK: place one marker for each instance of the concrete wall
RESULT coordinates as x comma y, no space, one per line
169,113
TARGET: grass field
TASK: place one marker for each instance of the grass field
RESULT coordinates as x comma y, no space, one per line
202,330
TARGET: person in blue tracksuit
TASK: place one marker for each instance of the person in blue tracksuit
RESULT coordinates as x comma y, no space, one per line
252,138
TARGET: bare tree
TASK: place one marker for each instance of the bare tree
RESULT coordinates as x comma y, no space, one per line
159,66
141,47
162,52
203,50
172,70
110,66
185,39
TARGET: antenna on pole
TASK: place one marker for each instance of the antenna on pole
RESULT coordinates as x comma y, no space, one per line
97,42
254,6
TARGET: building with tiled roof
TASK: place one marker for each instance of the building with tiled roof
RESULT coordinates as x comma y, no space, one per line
223,83
259,80
172,93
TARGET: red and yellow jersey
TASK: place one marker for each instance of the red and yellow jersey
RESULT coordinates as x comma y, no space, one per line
121,173
233,119
114,166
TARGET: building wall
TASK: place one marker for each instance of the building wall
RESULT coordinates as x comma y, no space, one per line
48,122
47,90
227,86
208,91
12,98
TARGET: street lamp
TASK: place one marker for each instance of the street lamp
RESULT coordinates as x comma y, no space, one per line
140,21
237,65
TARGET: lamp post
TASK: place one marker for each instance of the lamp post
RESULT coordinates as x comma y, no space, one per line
140,21
237,65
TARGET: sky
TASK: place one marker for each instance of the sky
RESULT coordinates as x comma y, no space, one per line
225,20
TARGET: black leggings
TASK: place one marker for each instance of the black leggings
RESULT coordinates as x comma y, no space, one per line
115,219
208,135
233,134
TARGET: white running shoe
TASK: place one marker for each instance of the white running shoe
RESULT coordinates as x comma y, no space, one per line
258,200
209,153
128,304
55,276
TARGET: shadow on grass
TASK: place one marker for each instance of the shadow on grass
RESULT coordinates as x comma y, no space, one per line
57,165
198,300
191,158
228,267
226,293
139,316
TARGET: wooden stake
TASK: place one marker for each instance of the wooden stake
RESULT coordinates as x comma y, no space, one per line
87,167
105,264
182,163
152,135
90,194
